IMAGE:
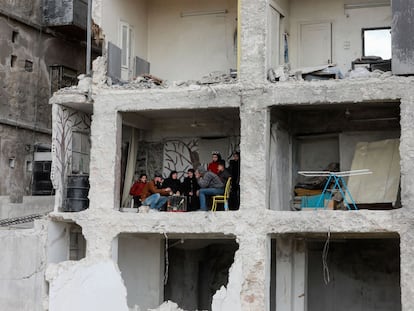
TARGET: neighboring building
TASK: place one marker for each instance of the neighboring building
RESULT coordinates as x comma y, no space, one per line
37,58
270,254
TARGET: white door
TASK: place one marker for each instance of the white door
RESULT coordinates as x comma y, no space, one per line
274,38
315,44
125,42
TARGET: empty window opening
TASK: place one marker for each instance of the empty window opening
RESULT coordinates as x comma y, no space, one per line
61,76
42,167
172,142
29,166
377,42
333,138
77,243
28,65
13,61
66,242
186,271
352,273
14,36
12,162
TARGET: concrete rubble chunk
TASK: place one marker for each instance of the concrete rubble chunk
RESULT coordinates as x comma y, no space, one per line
216,77
168,306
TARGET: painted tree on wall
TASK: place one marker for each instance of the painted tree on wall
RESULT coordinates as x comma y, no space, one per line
65,122
180,155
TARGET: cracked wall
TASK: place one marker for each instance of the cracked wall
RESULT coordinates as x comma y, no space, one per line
22,268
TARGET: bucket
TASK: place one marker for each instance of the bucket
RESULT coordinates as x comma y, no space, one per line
77,193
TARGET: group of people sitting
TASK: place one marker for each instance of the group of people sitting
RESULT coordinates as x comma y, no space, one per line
197,186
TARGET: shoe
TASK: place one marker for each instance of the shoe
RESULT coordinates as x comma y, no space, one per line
143,209
153,210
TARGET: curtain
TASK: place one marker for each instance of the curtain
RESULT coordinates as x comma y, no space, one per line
130,168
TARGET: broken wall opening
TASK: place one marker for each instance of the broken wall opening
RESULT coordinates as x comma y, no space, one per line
186,270
65,242
326,32
345,272
333,137
201,33
162,141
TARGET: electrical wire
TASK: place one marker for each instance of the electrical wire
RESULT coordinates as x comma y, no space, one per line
167,263
326,275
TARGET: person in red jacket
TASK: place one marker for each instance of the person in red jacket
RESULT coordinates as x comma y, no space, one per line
213,165
136,189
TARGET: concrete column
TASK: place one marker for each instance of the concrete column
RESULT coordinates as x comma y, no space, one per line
253,15
105,165
290,275
407,268
255,254
407,151
253,147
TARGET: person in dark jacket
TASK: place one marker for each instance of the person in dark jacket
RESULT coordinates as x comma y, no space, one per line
189,188
223,173
210,184
172,182
234,168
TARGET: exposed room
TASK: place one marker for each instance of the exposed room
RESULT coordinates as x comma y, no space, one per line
172,40
335,272
167,141
336,156
339,34
186,270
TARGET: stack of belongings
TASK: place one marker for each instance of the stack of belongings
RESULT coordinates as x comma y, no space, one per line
309,191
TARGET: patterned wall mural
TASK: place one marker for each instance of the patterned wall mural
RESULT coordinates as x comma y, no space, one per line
65,122
180,155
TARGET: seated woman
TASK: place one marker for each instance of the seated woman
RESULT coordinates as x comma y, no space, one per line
189,188
136,189
172,182
213,165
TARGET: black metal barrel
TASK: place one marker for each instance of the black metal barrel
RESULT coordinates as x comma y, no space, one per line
77,193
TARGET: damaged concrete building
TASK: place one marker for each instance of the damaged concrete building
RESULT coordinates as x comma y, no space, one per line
39,55
296,86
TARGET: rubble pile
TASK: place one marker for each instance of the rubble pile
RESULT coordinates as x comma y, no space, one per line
325,72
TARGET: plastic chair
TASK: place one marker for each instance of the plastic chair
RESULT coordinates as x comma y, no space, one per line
222,198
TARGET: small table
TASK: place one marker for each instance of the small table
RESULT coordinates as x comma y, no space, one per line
177,203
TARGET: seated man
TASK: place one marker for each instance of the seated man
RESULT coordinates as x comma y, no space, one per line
209,183
223,173
136,189
152,196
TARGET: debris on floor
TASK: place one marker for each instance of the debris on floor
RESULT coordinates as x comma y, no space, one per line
217,77
167,306
324,72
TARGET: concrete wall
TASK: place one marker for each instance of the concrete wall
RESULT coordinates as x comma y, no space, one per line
184,48
140,260
22,268
29,11
131,12
346,27
30,205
